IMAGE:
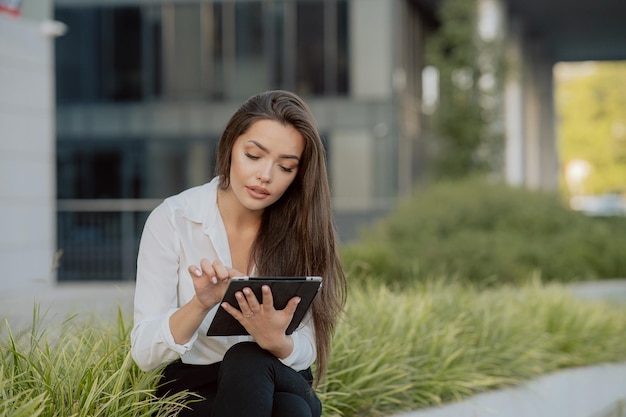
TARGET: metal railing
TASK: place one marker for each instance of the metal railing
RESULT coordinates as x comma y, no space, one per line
98,240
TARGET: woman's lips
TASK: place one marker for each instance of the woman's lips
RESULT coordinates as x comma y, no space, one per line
257,192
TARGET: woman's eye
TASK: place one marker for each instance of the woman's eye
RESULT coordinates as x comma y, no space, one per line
253,157
286,169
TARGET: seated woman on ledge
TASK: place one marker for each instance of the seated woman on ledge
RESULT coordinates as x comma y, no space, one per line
266,213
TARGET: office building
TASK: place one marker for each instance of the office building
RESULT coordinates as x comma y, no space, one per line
144,89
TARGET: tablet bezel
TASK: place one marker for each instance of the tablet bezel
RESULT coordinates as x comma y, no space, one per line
283,290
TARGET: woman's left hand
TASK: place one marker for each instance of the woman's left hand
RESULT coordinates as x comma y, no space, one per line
266,324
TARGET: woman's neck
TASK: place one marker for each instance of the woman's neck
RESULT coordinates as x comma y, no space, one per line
242,227
234,214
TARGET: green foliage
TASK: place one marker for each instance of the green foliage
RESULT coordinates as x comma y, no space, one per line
479,231
395,350
591,104
76,370
465,138
433,343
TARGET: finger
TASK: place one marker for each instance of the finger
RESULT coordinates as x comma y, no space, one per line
194,271
197,272
244,305
253,302
268,297
220,270
291,306
238,315
207,268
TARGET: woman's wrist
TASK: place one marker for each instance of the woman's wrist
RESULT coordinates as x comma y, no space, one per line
282,349
200,305
185,322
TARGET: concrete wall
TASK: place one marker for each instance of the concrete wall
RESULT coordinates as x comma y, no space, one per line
37,10
27,157
351,163
514,111
371,48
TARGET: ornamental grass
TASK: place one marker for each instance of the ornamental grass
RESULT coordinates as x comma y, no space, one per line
395,350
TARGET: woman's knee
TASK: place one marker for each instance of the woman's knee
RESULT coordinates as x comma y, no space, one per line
246,353
290,405
248,360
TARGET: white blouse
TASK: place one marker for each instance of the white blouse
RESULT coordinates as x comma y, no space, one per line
180,232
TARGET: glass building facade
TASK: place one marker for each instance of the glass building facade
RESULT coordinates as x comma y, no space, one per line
144,88
176,53
203,50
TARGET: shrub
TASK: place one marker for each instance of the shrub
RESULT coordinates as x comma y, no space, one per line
488,232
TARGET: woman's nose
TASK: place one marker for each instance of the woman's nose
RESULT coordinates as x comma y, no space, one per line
265,174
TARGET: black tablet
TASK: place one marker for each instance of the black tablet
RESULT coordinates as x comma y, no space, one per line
283,290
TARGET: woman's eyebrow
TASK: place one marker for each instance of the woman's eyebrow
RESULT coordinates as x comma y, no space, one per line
264,149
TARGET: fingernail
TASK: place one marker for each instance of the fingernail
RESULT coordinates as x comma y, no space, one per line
298,300
198,272
214,280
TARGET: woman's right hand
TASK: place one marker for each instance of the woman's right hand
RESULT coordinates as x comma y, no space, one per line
210,281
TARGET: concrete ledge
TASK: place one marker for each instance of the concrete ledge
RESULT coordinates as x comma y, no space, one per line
594,391
611,290
58,302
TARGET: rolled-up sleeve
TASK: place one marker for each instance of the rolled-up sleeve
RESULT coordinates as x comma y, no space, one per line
304,348
156,293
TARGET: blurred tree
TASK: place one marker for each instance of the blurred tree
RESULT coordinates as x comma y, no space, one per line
591,107
467,138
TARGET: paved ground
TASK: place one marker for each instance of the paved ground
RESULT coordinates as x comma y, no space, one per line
609,290
58,302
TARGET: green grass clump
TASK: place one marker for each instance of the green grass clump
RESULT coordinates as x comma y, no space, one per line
487,232
430,344
393,351
76,369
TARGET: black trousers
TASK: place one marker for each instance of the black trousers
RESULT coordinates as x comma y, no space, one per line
249,382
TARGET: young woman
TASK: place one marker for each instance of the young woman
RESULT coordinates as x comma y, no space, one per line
266,213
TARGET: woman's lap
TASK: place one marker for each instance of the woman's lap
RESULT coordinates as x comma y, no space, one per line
249,382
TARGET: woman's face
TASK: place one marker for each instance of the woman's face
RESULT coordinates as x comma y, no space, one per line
264,162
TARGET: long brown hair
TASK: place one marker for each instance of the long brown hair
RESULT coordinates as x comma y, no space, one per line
297,236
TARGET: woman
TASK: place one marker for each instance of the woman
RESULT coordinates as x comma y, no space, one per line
266,213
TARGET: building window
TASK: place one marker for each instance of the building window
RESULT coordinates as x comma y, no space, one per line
132,168
77,55
342,58
101,56
196,45
202,50
100,169
121,60
182,65
251,65
310,64
316,47
99,235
